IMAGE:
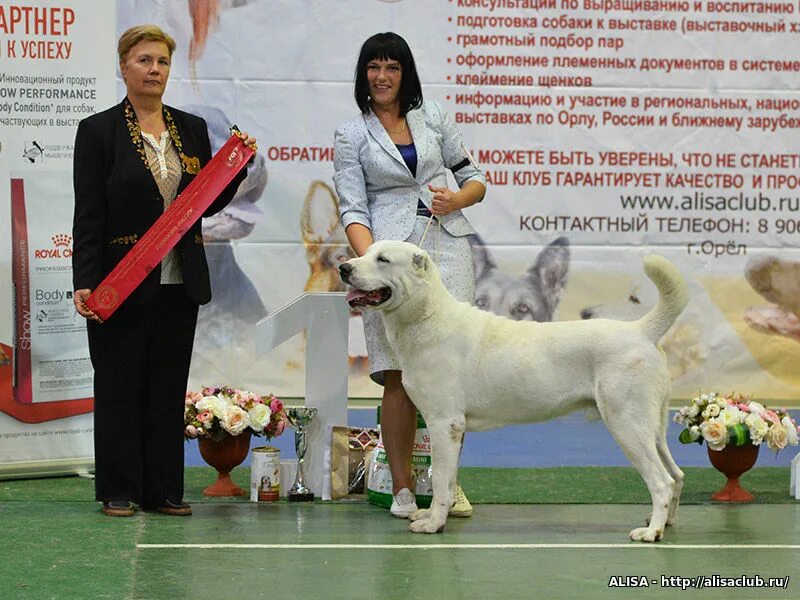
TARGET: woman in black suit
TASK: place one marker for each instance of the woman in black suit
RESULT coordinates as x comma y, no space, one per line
130,163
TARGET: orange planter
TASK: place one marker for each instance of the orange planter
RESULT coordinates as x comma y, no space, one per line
733,461
224,456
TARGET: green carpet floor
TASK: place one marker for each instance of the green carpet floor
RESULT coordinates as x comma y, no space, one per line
562,485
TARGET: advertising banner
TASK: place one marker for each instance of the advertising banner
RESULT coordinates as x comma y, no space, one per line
57,65
608,130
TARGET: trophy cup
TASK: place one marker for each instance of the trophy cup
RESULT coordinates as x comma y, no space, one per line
299,418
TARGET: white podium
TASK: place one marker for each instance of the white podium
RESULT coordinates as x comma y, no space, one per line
794,480
324,316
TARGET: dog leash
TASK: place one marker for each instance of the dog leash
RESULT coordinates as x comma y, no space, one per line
438,223
435,256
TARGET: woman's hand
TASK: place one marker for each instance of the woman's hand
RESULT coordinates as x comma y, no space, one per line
79,300
444,201
247,139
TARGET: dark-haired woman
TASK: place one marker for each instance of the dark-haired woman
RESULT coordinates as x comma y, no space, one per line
391,164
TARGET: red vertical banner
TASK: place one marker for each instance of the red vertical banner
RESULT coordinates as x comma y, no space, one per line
20,278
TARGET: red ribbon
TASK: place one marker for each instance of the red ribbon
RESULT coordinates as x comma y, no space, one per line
165,233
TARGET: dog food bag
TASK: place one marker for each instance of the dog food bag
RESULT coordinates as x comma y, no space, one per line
379,483
350,451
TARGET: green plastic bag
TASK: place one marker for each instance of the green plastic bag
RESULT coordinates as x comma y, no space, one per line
379,486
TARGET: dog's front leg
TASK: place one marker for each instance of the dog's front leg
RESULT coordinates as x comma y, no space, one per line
445,449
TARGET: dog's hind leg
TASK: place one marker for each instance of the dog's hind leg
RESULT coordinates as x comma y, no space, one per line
637,429
674,472
673,469
445,449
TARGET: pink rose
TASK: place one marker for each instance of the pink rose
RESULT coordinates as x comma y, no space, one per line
275,405
193,398
191,431
205,417
771,416
240,398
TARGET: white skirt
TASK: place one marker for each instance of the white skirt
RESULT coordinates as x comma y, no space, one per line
453,258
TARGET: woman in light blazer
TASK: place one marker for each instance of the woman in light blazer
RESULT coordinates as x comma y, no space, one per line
391,165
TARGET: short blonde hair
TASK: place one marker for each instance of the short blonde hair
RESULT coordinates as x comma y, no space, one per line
141,33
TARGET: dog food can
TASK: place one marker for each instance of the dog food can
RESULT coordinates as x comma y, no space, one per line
265,474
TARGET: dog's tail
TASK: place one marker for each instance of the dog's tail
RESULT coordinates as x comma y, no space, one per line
673,296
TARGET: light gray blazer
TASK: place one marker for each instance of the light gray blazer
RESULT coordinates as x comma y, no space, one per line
375,186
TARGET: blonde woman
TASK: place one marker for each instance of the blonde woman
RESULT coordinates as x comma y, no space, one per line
130,163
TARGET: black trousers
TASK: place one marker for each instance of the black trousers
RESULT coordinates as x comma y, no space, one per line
141,358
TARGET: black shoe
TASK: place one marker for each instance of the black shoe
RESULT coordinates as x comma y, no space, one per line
179,509
118,508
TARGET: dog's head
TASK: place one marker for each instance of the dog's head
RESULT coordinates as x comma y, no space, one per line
531,297
640,299
383,278
324,239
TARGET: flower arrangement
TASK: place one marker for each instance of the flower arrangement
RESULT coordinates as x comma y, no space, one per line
218,412
735,420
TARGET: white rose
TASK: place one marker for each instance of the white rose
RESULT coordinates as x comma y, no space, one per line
758,427
791,431
715,434
776,437
259,417
756,408
213,404
731,416
235,420
694,411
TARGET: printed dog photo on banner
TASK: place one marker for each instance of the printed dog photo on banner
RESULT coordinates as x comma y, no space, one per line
777,281
224,342
326,248
710,345
533,296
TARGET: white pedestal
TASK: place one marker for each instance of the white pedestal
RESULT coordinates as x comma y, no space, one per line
324,316
794,480
288,473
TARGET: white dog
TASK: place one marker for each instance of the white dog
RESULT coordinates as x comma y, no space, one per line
468,370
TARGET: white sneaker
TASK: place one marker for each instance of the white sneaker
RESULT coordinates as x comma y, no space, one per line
404,504
461,507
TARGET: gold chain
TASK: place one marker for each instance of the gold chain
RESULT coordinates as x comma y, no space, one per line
396,131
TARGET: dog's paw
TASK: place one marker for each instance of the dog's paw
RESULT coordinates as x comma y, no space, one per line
670,520
421,514
646,534
427,526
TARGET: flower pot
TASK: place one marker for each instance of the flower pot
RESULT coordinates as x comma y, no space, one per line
224,456
733,461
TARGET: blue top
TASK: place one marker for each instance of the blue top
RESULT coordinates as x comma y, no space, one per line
409,154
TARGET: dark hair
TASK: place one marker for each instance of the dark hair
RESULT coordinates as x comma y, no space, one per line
388,46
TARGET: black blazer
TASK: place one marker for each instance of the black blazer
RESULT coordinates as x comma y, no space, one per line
117,199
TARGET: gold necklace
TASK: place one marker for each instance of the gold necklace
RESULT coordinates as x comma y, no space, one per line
397,131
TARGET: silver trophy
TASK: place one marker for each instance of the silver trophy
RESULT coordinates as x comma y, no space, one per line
299,418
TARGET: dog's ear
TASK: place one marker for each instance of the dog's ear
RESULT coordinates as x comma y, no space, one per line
320,213
420,261
480,256
550,271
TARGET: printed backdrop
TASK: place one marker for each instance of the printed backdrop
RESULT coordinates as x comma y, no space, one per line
608,130
666,128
